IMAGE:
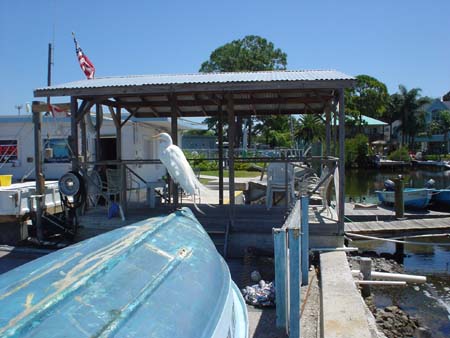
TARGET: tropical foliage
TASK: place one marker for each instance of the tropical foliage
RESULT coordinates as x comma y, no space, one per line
368,97
252,53
311,128
356,150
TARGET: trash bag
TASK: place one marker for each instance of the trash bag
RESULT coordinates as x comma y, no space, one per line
261,294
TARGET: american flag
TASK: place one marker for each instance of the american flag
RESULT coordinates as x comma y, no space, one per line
86,65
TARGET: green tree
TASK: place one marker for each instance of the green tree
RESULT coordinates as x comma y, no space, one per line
311,128
252,53
368,97
444,122
393,111
408,111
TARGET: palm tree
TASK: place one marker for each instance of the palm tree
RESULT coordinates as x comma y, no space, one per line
310,129
410,103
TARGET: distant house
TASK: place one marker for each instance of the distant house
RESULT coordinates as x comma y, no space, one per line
434,143
433,110
375,130
198,142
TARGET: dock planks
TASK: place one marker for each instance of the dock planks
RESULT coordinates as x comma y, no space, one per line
400,227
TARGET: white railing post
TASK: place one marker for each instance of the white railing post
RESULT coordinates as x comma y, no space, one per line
304,205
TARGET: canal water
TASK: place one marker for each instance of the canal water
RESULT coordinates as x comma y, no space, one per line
429,302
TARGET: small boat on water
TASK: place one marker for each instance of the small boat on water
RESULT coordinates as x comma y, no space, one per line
418,198
161,277
441,196
433,164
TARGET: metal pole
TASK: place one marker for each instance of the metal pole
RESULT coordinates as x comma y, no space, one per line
40,181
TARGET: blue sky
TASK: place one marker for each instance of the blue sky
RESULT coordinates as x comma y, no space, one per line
398,42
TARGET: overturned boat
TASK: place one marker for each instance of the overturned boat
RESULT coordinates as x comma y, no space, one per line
161,277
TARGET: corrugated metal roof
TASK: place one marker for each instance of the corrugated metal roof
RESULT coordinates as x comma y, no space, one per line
202,78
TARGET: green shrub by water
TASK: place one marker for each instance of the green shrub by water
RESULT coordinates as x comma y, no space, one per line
400,154
356,151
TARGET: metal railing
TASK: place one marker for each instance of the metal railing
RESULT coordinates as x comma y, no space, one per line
291,246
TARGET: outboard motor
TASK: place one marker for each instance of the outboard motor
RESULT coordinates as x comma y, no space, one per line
389,185
430,183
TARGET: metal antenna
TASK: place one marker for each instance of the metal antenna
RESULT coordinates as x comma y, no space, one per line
18,107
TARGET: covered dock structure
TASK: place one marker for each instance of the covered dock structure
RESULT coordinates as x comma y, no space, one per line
227,96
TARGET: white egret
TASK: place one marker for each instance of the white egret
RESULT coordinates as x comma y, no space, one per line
178,167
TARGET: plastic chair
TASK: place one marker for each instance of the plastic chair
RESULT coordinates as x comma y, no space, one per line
276,182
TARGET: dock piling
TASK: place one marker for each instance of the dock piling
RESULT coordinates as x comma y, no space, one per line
365,265
399,203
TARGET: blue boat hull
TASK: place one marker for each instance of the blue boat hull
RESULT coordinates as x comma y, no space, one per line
162,277
412,198
441,196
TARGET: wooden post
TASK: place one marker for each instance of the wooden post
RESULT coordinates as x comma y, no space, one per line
335,131
220,140
40,181
422,332
365,266
294,282
279,238
341,197
98,117
399,252
399,202
174,134
286,179
74,132
304,219
231,139
328,129
84,141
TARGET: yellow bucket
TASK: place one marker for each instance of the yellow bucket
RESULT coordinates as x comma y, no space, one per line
5,180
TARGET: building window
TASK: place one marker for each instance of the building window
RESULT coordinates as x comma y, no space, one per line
8,151
60,150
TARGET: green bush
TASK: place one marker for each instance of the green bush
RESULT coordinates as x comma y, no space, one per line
356,151
401,154
198,161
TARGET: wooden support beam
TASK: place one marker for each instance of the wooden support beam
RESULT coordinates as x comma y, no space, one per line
341,197
122,167
98,118
74,132
220,141
231,146
328,129
174,134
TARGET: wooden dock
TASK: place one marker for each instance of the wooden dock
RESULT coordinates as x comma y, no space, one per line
397,228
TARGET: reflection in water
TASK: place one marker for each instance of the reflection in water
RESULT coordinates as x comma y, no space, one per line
362,183
429,302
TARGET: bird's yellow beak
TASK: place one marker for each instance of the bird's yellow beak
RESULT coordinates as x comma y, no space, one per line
156,136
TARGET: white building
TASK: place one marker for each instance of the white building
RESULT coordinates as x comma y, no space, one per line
17,145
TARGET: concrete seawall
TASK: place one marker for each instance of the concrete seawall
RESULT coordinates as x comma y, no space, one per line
343,312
